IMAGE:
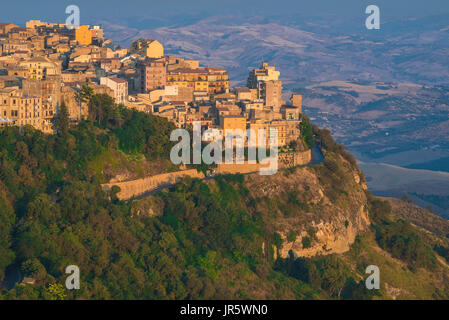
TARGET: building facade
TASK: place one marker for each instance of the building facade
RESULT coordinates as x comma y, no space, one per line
119,86
83,35
269,88
152,74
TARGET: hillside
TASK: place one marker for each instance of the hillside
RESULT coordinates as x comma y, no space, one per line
398,130
303,233
306,49
428,189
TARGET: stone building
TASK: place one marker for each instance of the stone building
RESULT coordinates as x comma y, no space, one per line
119,86
174,63
6,27
152,49
83,35
296,100
269,88
235,122
22,109
39,68
210,80
153,74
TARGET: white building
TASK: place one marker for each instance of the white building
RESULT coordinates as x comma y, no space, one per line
119,86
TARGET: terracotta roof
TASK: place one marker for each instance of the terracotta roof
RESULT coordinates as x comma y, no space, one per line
118,80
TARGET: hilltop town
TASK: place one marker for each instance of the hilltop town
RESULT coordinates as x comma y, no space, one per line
105,195
44,65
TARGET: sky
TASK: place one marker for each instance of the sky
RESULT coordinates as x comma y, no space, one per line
20,11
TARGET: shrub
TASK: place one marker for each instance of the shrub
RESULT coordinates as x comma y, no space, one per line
291,236
306,242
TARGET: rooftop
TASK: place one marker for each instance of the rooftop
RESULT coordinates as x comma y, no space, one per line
118,80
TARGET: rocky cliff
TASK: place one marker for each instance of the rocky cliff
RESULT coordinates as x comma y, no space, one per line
316,217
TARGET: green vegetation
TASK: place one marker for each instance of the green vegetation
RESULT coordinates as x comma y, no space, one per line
329,273
306,242
307,133
54,213
199,239
399,238
413,263
325,141
292,235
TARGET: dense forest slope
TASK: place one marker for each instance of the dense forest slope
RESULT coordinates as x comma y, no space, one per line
304,233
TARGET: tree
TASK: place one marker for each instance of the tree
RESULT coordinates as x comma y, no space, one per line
64,141
306,242
33,268
333,273
83,96
62,121
406,198
307,132
56,291
7,219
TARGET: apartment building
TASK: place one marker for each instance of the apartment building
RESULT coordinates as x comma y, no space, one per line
271,93
152,49
210,80
83,35
181,63
119,86
218,80
153,74
39,68
6,27
21,109
269,88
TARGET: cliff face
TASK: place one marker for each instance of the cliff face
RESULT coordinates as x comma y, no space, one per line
323,209
330,237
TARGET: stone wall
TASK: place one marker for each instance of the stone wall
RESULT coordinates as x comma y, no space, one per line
135,188
293,159
237,168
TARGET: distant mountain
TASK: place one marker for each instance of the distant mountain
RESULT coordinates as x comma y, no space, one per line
412,50
390,126
426,188
397,123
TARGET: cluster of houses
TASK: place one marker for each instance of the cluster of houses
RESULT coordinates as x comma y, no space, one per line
45,64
